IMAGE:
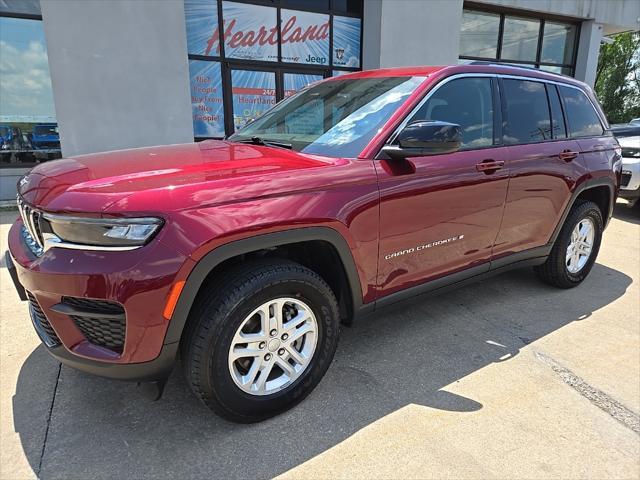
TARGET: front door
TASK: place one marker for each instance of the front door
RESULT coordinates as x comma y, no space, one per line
441,213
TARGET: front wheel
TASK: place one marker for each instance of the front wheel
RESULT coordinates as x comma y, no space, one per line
261,342
575,249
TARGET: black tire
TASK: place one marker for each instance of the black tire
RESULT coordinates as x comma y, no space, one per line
554,271
218,313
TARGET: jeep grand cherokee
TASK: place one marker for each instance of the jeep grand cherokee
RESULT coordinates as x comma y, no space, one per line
242,256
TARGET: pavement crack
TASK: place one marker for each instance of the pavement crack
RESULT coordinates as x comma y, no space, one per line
46,431
603,401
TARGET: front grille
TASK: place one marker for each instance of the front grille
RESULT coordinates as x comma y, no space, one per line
102,322
41,323
32,233
625,179
630,152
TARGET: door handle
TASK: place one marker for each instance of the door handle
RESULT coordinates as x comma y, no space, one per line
489,166
567,155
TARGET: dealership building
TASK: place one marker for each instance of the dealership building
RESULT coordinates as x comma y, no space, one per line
105,75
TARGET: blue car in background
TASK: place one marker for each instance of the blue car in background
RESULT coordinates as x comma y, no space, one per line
7,134
8,138
45,140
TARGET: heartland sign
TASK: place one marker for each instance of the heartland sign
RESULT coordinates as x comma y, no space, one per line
313,37
250,32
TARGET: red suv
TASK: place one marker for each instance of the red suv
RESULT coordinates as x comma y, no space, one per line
243,256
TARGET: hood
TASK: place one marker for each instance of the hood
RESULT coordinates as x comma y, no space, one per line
91,183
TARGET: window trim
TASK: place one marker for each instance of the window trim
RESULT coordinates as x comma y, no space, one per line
497,76
562,112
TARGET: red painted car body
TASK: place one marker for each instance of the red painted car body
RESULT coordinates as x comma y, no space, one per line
216,194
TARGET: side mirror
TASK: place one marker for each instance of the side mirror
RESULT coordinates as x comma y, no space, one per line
425,137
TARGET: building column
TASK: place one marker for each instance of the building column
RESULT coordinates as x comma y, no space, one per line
588,51
400,33
119,73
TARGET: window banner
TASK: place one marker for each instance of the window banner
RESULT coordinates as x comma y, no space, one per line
253,94
305,37
250,32
206,98
202,26
346,41
297,81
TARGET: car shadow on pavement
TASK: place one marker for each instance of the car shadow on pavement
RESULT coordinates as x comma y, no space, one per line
103,429
627,214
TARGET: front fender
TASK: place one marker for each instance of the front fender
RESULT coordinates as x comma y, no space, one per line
226,251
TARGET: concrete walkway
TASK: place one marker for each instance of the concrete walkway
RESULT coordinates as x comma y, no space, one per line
504,379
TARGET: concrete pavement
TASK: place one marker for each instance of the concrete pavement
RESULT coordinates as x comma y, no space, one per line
506,378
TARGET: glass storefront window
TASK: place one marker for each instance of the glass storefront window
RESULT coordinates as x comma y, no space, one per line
206,98
246,55
202,27
557,69
253,94
28,132
346,41
250,31
297,81
520,39
479,35
558,43
304,37
533,42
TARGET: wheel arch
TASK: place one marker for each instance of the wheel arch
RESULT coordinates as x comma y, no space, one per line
273,244
600,195
601,191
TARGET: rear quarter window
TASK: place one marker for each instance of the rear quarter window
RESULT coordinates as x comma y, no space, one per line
581,116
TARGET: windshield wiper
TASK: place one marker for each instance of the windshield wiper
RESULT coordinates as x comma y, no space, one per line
262,141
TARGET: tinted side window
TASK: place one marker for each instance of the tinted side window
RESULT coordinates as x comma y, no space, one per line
557,119
527,110
582,118
467,102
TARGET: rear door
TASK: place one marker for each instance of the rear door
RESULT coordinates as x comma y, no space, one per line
441,213
596,148
544,164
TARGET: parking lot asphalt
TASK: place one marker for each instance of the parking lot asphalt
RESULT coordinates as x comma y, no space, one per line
507,378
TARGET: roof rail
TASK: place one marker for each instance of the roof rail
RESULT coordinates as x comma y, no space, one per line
514,65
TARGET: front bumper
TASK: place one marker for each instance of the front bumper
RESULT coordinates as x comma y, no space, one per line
138,280
630,183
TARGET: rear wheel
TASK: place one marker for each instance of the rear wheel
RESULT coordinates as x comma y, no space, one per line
576,247
261,341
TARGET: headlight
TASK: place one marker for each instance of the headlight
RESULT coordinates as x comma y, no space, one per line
98,233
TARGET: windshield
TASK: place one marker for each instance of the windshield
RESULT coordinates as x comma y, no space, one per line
337,118
45,130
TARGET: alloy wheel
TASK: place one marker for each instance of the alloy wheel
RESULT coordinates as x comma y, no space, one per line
273,346
580,246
